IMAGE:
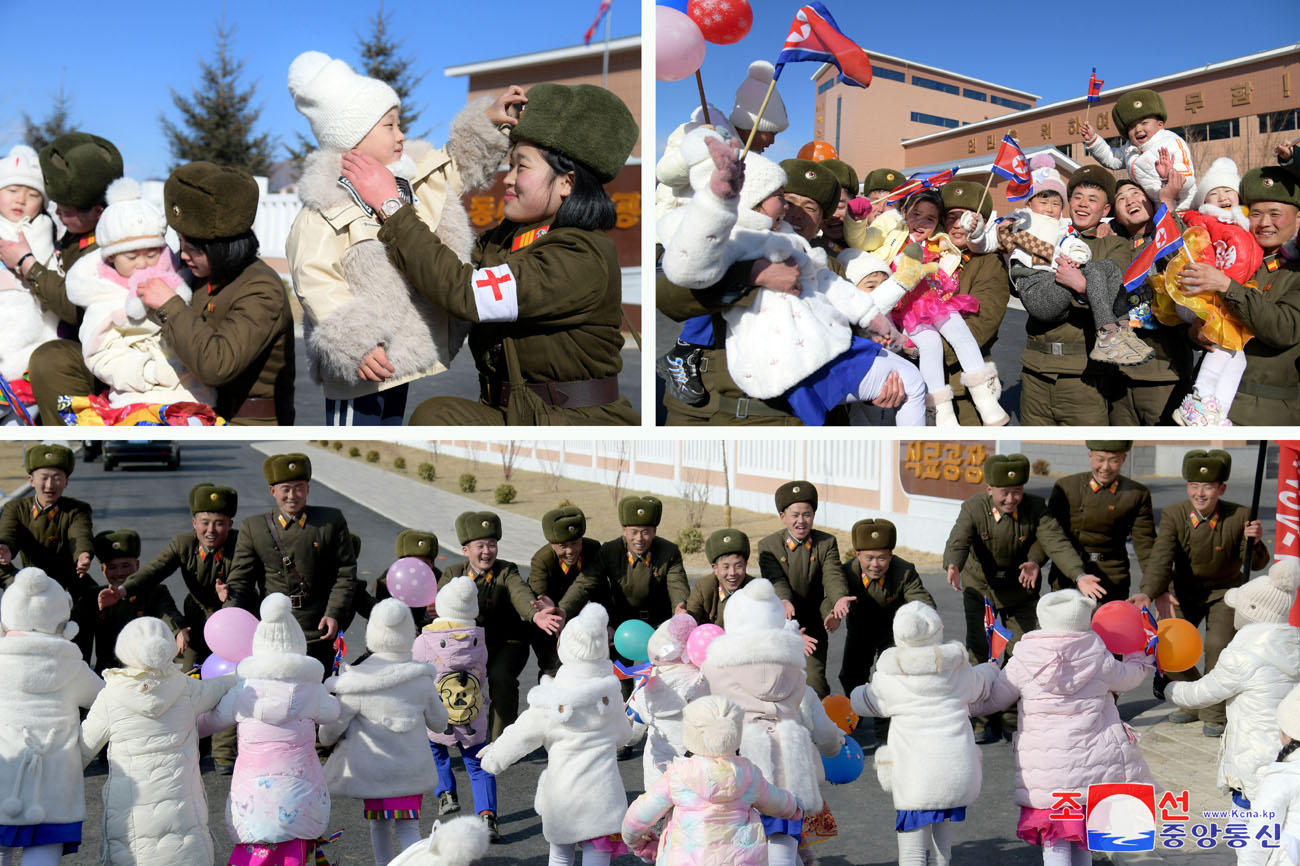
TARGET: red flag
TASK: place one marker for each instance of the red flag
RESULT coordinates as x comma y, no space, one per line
1287,541
1011,164
1167,241
600,13
1094,86
814,35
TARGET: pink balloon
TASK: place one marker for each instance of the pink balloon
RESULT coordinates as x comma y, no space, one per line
697,645
679,45
215,666
1120,627
229,633
411,581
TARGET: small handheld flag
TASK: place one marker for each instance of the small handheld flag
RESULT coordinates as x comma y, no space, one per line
814,35
1094,86
7,395
1153,635
600,14
340,653
918,182
1011,164
1167,241
997,634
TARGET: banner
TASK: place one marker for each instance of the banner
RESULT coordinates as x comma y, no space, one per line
1287,542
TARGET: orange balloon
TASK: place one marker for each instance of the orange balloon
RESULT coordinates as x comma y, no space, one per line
841,712
818,150
1179,645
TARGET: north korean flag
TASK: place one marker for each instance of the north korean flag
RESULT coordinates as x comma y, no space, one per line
1094,87
1167,241
814,35
998,635
1011,164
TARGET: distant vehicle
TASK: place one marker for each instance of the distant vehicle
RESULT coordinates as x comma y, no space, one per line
141,451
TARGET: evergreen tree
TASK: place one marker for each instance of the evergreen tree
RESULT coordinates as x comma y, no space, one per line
37,135
380,59
217,120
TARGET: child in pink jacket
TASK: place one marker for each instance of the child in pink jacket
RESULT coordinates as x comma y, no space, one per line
715,797
1070,735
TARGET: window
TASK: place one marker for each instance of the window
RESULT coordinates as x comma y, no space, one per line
975,94
931,84
1279,121
1215,131
1008,103
949,123
891,74
826,85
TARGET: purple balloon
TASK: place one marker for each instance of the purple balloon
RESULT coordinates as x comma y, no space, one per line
215,666
679,45
411,581
229,633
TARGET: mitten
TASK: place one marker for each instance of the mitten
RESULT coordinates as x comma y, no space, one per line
860,207
1158,686
908,270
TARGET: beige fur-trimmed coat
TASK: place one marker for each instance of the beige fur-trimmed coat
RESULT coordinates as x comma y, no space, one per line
353,298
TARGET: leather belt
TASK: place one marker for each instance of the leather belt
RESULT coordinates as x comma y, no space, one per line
744,407
259,408
1047,347
564,395
297,602
1269,392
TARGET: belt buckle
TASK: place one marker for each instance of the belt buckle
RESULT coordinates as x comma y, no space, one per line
295,602
742,407
1058,349
1094,556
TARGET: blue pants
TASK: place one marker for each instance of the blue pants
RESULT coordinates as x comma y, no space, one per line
483,785
380,409
698,331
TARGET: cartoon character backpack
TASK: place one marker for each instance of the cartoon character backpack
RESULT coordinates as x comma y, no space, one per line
460,655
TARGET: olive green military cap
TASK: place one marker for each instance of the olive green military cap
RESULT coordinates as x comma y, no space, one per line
844,173
1096,175
1213,466
1117,446
279,468
882,178
875,534
50,457
208,201
726,541
795,491
1006,470
116,544
214,498
476,525
415,542
640,511
813,179
1270,183
567,523
1135,105
78,167
966,194
582,121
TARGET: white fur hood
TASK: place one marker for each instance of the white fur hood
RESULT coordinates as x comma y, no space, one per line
784,647
145,692
551,695
284,667
319,187
36,663
377,674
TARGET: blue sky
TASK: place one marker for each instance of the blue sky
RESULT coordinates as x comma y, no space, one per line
1058,46
119,59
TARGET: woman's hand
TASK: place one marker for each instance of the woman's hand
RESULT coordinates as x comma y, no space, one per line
892,392
777,276
375,366
373,182
154,293
1200,278
499,112
13,251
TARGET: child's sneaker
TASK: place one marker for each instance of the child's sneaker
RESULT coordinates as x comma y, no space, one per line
1191,412
490,820
447,803
1214,415
680,368
1119,346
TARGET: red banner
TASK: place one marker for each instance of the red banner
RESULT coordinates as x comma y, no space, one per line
1287,542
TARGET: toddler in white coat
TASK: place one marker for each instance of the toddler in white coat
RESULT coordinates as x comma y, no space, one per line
1140,116
656,706
458,842
1278,800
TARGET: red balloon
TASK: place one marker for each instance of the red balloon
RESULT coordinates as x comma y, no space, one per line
721,21
1119,624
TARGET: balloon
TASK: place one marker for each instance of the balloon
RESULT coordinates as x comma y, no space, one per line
632,638
841,712
1120,627
721,21
847,765
411,581
697,645
229,633
1179,645
818,150
679,45
215,666
679,5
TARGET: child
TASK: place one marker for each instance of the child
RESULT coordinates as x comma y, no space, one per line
1278,802
279,803
1255,671
458,842
931,763
759,664
1070,734
45,682
656,705
387,701
578,717
368,333
155,810
714,796
122,345
118,552
1140,116
457,648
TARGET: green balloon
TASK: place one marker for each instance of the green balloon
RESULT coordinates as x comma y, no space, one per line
632,640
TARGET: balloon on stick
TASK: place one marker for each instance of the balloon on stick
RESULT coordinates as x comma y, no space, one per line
229,633
632,640
1120,627
679,45
411,581
723,22
1178,646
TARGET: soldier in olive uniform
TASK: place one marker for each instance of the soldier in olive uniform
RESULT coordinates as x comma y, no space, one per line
565,570
728,553
1100,510
804,567
831,238
507,611
646,575
1200,551
51,531
302,551
118,552
410,544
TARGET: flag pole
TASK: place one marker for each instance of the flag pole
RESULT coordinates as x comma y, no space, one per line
771,86
604,63
704,105
985,193
1254,508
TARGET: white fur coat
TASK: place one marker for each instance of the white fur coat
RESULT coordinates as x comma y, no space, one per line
659,704
27,324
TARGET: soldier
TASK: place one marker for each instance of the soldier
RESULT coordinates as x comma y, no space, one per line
118,552
728,553
302,551
1001,539
803,565
410,544
1100,510
51,531
646,575
1200,551
506,606
567,568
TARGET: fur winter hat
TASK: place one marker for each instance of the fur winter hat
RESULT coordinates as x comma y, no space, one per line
458,842
207,201
279,468
754,607
214,498
48,455
749,98
341,106
458,600
1222,172
22,167
1046,177
586,123
711,726
1288,714
1065,610
129,222
78,167
35,602
146,643
1267,598
860,263
278,633
391,628
566,523
414,542
669,640
917,624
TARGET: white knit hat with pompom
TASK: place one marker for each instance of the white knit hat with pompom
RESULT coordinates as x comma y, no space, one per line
146,643
22,167
1222,172
278,633
754,608
749,99
35,602
341,106
917,624
1066,610
1267,598
391,628
712,726
458,842
860,263
129,222
458,600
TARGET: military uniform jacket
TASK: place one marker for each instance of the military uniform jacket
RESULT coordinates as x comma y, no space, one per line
871,617
200,569
1171,351
108,623
50,540
640,589
1270,388
708,600
47,284
571,590
321,550
990,552
984,277
809,576
238,339
505,603
1099,523
1200,556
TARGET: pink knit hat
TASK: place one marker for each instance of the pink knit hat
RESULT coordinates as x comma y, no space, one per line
1042,169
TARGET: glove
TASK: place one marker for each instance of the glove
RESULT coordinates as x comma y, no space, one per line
860,207
1158,686
908,270
972,222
